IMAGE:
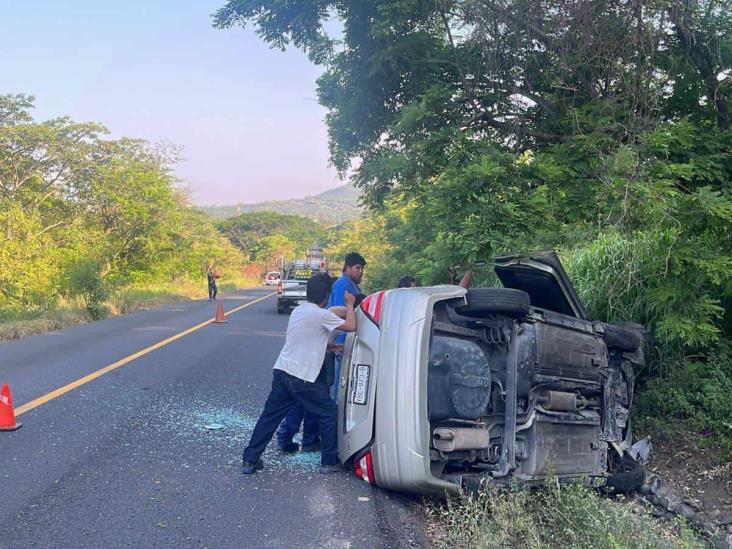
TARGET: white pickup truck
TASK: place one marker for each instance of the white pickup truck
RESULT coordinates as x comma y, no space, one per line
291,289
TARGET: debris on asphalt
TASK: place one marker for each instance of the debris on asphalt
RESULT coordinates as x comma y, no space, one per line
222,430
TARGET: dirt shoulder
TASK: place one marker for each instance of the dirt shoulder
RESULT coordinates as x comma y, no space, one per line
699,476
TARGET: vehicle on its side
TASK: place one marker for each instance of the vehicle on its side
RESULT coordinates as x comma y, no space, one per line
443,390
272,278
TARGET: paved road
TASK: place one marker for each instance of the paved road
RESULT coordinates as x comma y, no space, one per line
126,460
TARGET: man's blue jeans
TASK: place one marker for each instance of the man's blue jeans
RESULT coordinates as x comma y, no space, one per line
291,426
286,392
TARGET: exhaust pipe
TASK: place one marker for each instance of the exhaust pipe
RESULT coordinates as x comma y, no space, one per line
449,439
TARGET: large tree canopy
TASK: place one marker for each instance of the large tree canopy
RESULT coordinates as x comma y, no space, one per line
476,126
81,215
598,127
410,84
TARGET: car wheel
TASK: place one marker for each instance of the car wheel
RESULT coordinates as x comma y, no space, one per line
280,311
621,338
507,301
629,477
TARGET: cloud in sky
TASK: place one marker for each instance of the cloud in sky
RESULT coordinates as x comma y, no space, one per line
245,115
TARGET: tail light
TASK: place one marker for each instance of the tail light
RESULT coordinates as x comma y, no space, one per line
364,468
372,304
279,288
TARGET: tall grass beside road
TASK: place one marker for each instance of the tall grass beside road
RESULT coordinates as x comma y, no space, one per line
69,312
555,516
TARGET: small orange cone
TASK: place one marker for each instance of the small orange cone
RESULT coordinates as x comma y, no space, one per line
220,315
7,415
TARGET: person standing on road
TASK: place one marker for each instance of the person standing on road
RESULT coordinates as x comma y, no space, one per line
347,282
353,266
299,377
291,424
212,275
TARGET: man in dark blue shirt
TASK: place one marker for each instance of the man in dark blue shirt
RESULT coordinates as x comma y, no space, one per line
348,282
353,266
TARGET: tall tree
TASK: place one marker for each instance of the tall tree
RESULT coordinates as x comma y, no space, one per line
411,85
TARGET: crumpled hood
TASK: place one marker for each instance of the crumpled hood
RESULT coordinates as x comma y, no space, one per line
542,276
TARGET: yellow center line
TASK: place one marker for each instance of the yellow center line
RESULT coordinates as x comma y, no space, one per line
99,373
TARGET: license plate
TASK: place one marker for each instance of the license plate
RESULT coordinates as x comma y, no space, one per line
361,389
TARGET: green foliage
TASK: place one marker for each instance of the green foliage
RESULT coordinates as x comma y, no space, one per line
558,516
367,237
695,397
483,127
84,279
29,259
82,217
267,236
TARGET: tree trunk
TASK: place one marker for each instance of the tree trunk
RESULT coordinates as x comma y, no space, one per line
682,16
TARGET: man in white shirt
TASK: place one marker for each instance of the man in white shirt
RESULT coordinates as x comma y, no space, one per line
297,375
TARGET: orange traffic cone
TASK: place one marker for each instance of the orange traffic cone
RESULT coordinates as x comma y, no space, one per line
7,415
219,315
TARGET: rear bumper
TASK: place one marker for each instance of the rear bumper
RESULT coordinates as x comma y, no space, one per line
400,449
290,300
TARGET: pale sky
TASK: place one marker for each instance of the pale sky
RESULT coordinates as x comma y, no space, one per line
246,116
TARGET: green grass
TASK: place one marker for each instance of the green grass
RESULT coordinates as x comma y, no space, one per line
553,516
69,312
65,314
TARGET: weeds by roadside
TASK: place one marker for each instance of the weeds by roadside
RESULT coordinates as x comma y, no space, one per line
69,312
555,516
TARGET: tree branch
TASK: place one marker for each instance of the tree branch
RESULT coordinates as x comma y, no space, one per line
681,15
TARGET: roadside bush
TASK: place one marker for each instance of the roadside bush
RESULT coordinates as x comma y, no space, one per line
657,277
696,397
28,259
84,280
555,516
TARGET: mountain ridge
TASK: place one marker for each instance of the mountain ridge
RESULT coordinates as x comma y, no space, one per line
333,206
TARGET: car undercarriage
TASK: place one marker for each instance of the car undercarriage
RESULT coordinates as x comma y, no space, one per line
524,392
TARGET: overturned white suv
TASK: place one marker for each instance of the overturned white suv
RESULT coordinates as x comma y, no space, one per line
443,389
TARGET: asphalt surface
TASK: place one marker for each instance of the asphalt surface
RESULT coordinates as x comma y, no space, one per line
128,460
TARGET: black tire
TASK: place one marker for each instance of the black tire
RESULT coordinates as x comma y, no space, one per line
281,310
629,478
622,338
505,301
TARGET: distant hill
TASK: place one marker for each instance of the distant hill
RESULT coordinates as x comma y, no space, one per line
331,207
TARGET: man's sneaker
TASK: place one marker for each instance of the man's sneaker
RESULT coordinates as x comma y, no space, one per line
312,447
249,468
290,448
328,469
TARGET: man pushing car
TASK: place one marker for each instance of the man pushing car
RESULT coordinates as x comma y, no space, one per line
299,378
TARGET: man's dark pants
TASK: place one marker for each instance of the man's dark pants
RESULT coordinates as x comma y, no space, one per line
287,391
291,426
212,290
